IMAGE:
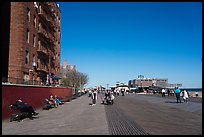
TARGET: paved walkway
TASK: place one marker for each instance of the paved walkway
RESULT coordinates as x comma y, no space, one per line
161,116
191,106
73,118
130,114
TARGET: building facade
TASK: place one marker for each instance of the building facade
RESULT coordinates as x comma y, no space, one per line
34,42
148,82
66,68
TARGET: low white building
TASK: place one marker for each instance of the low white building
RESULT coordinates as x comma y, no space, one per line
120,87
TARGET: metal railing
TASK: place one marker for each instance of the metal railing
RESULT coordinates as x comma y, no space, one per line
12,80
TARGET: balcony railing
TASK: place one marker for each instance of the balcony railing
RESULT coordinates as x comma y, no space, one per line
12,80
44,33
42,52
48,20
43,70
24,82
47,36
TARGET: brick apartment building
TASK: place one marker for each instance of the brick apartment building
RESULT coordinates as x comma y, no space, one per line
31,47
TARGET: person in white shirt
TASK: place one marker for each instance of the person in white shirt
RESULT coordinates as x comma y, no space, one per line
163,92
196,93
185,96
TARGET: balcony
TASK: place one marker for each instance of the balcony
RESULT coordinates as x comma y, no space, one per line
46,6
44,34
42,53
42,70
51,38
46,19
47,36
53,57
51,7
42,16
52,23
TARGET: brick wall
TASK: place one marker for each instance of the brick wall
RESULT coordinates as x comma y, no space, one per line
32,95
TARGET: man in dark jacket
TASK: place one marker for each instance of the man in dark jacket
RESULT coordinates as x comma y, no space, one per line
23,107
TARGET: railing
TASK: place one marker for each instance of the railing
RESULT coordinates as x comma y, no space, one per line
44,32
47,18
12,80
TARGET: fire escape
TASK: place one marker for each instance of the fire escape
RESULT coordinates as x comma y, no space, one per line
46,34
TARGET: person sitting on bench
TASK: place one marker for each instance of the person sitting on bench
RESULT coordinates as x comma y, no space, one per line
23,107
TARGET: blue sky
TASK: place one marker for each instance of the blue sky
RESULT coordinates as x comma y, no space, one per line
117,41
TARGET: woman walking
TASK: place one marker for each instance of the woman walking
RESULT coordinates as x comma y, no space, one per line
185,96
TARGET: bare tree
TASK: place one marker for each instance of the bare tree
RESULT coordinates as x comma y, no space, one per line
75,79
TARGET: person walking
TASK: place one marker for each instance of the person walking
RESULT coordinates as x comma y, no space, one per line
163,92
196,93
94,97
168,92
123,92
112,98
117,92
177,92
185,96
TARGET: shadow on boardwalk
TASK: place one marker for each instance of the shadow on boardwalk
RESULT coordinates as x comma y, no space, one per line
73,118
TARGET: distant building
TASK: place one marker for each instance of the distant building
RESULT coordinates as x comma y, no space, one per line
66,68
148,82
119,86
31,50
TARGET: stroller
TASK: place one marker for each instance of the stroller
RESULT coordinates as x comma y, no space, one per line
109,101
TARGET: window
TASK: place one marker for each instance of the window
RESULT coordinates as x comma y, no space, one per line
27,57
43,63
28,14
39,25
38,62
39,44
40,8
27,35
34,40
34,22
33,58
